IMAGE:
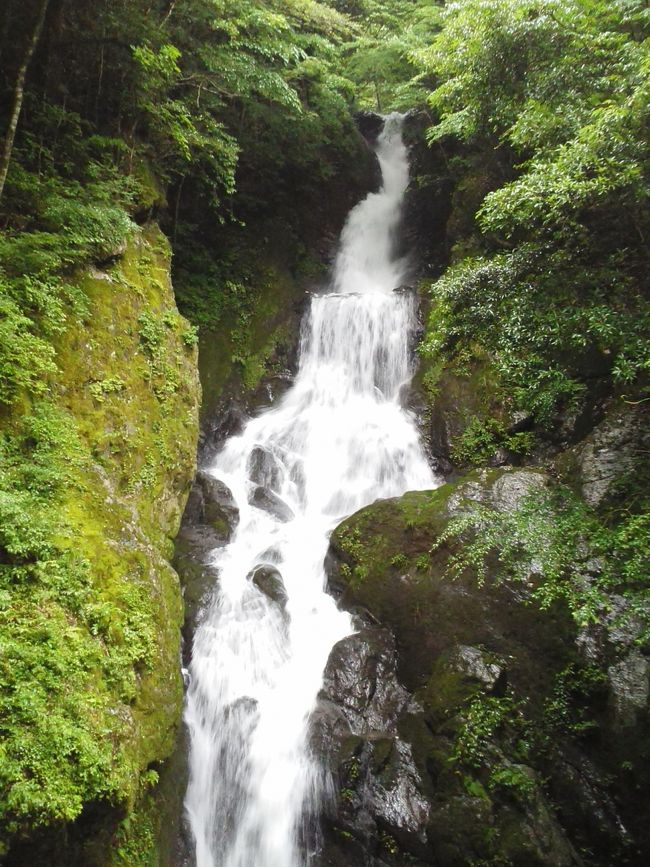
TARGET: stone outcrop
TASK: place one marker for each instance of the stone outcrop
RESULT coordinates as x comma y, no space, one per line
463,723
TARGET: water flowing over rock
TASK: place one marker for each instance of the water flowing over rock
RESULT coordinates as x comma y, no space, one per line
268,580
336,441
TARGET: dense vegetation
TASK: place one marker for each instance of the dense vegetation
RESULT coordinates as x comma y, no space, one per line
229,123
551,102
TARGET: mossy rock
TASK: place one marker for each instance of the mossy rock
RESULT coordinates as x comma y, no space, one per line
252,345
469,417
120,429
389,564
507,726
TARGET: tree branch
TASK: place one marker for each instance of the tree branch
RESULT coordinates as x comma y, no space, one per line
19,92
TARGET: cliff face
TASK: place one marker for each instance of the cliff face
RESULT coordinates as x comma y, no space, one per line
104,463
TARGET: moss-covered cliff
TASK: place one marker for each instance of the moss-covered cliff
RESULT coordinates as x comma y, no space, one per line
95,474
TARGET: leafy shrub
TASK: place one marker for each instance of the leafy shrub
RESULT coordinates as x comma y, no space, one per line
562,550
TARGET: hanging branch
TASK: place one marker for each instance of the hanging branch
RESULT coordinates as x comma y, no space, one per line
19,92
168,13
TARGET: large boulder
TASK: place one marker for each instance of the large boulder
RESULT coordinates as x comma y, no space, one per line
268,501
210,518
486,726
268,581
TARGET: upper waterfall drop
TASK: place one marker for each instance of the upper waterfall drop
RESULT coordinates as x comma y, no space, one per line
337,441
366,261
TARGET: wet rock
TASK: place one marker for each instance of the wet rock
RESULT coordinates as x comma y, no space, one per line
195,506
243,707
360,678
270,502
209,520
271,390
384,797
395,794
390,565
629,679
219,508
583,800
230,422
369,125
464,645
263,469
268,581
381,804
428,200
328,730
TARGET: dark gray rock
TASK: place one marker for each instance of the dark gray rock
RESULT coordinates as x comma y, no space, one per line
369,125
381,807
270,502
271,390
268,581
382,801
219,508
629,680
612,450
195,506
576,796
582,798
361,679
229,422
475,664
263,469
209,520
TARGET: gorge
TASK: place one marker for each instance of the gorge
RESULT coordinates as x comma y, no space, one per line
324,354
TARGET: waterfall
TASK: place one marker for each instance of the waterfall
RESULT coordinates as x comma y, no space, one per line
337,441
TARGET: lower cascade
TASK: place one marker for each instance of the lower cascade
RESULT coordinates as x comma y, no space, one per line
337,441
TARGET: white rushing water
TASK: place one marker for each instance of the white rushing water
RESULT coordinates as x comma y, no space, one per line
337,441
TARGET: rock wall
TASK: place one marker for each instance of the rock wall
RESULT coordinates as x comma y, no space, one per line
127,387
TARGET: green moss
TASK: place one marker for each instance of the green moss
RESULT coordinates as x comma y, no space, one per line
92,487
467,407
250,337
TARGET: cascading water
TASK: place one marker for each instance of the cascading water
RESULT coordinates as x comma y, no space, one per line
337,441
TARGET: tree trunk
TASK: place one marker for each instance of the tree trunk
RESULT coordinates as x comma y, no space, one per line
19,91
